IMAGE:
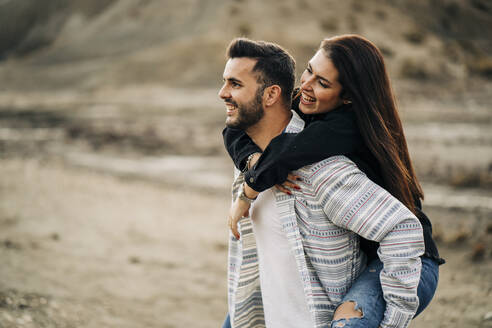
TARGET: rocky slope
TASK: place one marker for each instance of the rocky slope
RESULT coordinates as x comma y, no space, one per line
87,44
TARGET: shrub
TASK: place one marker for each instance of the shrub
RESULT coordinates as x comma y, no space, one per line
481,66
234,10
381,14
353,23
329,24
412,69
244,29
386,51
483,5
415,36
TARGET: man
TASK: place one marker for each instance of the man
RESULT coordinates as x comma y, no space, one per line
298,254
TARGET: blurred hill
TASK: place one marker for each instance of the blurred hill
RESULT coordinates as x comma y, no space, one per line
59,44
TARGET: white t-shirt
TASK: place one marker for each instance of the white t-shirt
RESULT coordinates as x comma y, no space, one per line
284,302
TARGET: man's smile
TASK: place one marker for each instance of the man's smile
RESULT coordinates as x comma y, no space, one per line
231,107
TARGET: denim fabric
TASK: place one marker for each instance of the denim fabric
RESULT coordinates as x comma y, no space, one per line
227,322
366,292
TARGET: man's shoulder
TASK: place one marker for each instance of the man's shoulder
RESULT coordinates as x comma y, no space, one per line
330,163
331,167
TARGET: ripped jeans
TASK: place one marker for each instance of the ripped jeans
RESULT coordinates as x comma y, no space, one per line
366,292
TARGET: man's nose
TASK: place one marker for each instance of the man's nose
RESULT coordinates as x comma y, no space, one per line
224,93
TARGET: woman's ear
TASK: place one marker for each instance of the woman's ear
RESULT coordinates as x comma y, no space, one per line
272,94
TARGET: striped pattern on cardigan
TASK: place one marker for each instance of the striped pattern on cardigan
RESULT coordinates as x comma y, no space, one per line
322,221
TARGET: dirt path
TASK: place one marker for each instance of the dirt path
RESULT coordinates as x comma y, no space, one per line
86,249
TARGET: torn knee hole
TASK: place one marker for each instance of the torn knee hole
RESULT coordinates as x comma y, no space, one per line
347,310
340,324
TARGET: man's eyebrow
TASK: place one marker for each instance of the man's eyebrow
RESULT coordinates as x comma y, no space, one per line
232,79
319,76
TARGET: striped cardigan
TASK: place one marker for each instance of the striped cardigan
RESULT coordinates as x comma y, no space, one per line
322,221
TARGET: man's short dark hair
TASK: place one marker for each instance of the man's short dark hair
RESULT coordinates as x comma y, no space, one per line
274,64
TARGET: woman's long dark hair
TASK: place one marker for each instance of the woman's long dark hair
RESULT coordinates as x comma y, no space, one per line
365,82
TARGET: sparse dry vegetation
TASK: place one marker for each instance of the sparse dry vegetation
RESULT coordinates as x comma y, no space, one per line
415,36
381,14
244,29
410,68
482,5
329,24
358,6
482,66
386,51
353,23
234,10
466,179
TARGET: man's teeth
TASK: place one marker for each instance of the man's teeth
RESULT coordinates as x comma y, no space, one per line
307,98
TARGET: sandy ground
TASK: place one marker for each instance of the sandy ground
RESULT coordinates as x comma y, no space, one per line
112,212
106,252
86,249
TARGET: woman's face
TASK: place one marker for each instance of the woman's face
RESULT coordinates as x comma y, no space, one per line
320,89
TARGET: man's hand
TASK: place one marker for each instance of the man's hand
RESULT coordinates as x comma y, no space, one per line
238,209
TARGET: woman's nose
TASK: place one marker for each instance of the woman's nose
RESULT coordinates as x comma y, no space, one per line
306,83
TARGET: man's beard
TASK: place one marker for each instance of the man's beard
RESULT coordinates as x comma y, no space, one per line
248,114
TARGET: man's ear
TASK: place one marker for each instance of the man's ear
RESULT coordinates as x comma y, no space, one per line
272,94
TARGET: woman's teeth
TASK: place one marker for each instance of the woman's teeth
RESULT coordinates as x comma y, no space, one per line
308,98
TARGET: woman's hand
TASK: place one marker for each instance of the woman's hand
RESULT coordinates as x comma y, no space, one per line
289,183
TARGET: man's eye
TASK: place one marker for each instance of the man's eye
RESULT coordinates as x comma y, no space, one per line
235,84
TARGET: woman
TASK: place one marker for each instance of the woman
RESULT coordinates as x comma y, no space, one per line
347,102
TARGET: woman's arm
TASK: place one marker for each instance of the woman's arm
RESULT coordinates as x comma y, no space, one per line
335,134
239,146
360,205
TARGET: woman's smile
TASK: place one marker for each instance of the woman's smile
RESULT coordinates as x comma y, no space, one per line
307,100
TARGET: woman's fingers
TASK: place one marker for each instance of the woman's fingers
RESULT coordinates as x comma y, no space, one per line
289,183
283,189
293,177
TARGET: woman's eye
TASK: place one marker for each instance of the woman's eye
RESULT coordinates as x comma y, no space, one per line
324,85
309,70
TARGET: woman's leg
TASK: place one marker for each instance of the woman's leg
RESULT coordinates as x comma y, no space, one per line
227,322
428,283
364,305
